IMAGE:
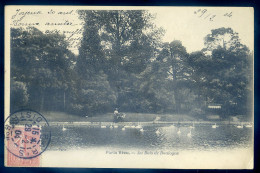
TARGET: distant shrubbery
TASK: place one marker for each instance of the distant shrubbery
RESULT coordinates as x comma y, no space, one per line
19,95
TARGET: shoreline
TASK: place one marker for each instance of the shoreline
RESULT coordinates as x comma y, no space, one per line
175,123
61,118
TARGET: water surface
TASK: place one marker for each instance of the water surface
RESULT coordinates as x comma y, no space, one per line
203,137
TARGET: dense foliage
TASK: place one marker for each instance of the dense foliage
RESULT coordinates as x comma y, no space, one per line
123,63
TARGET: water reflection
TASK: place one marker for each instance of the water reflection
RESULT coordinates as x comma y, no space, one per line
202,137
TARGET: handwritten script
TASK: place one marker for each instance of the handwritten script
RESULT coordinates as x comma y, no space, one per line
208,15
64,22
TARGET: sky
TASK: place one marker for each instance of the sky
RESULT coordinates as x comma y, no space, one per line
181,23
187,24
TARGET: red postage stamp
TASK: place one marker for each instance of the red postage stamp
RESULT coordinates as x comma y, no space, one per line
21,145
24,139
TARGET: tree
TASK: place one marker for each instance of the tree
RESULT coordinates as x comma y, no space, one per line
230,74
201,70
224,38
43,63
158,97
93,94
19,95
173,59
91,57
128,40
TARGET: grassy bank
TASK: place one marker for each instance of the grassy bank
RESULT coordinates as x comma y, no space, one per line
130,117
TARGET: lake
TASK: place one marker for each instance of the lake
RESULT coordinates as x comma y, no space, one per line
157,146
203,137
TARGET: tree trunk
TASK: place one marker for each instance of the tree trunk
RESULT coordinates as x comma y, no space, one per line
64,100
177,101
42,100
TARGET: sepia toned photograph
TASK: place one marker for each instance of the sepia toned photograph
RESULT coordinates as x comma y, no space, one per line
129,87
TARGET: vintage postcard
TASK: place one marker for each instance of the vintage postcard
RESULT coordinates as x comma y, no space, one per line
129,87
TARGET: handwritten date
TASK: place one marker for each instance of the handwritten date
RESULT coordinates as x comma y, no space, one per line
207,15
